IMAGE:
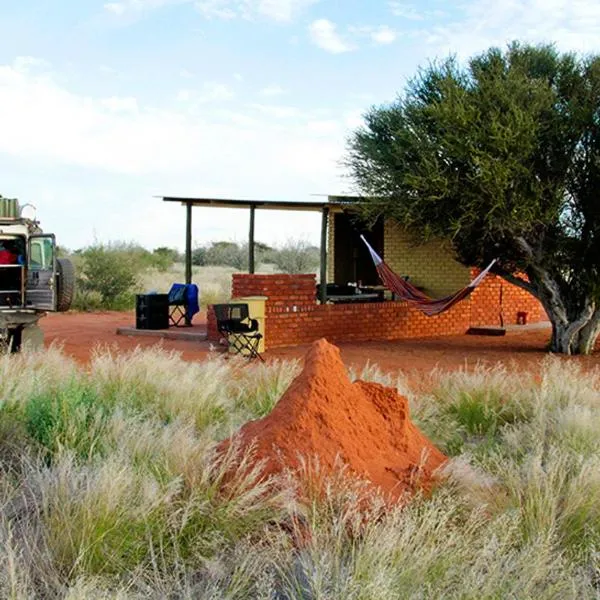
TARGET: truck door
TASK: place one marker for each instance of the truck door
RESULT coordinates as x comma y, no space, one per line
41,272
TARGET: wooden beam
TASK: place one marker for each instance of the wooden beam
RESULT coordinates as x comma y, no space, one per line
188,243
251,241
323,277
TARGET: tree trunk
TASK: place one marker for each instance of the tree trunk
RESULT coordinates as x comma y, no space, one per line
576,336
589,334
571,333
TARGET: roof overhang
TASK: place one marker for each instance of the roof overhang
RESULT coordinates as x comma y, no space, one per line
333,203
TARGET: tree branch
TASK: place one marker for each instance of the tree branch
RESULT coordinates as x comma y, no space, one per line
525,285
524,245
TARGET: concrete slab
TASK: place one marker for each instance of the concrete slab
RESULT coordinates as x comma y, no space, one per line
197,333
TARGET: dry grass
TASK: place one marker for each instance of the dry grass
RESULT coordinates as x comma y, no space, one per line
109,488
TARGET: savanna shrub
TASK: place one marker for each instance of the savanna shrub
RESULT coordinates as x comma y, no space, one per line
296,256
109,272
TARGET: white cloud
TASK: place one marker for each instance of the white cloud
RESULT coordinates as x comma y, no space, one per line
107,70
276,111
384,35
211,91
324,34
272,90
185,74
479,24
124,7
120,104
278,10
29,63
216,9
117,8
117,152
407,11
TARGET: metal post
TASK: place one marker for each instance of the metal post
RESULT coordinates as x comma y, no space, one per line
323,278
251,240
188,249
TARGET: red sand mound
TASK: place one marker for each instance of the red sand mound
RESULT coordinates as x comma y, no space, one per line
366,425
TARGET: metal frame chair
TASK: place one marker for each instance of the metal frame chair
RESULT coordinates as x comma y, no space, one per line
240,331
183,304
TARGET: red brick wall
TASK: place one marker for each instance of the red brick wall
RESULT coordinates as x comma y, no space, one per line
211,325
294,317
495,297
361,322
281,290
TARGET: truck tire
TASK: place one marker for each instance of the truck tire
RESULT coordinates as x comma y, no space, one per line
65,288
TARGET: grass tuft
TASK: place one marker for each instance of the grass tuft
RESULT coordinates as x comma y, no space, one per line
111,487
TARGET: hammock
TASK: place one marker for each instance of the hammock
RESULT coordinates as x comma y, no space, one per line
409,293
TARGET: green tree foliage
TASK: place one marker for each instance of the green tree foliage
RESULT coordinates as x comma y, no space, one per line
502,157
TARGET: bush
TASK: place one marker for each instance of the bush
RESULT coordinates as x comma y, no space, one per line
163,258
296,256
110,272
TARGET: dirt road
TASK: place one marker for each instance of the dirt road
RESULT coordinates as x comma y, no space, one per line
80,333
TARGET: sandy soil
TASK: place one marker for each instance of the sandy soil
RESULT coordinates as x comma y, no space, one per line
80,333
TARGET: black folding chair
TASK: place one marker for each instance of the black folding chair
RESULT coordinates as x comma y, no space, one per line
240,331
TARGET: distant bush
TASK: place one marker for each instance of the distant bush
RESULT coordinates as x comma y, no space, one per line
296,256
108,275
163,258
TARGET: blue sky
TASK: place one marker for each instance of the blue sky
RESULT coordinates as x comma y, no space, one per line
105,104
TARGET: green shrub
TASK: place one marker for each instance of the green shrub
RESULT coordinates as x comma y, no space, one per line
72,418
296,256
111,273
163,258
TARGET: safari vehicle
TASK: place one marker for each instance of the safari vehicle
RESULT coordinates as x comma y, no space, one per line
33,281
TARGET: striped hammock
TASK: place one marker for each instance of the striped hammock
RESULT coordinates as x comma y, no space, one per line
409,293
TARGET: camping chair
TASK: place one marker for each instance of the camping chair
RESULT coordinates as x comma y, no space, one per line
240,331
183,304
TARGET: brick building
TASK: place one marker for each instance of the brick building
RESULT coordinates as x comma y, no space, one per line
429,266
294,313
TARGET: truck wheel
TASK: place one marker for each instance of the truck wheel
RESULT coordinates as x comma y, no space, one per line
65,285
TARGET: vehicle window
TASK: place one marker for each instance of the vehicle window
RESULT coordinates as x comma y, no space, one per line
41,253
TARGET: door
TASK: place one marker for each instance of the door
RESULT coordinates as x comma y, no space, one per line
41,272
352,260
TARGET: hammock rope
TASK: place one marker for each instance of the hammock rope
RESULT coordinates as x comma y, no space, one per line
409,293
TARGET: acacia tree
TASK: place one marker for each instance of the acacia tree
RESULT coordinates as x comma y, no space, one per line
502,157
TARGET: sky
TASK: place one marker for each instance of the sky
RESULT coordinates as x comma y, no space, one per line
105,105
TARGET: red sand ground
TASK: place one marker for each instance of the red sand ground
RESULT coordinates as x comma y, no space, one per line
81,332
323,414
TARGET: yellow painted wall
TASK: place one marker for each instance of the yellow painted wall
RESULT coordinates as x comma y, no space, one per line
430,266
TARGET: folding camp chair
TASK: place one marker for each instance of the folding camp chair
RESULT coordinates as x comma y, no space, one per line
183,304
240,331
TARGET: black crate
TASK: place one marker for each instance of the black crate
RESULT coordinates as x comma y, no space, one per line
152,311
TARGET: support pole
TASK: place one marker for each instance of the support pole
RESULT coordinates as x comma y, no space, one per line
251,240
323,277
188,243
188,252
